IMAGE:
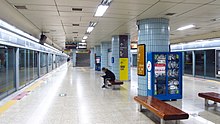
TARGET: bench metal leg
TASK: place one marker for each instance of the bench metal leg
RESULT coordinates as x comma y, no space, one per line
140,108
177,121
116,87
162,121
206,102
210,105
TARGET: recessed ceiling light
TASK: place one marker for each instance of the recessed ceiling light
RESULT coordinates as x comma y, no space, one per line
75,24
185,27
213,20
76,9
20,7
83,41
170,14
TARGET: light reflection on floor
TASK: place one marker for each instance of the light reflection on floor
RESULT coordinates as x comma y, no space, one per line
87,103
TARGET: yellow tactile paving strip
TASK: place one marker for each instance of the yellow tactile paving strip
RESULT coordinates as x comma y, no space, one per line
7,105
213,81
34,86
10,103
37,84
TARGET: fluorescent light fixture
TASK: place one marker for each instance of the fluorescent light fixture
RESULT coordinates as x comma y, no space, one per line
83,41
85,37
92,24
185,27
82,44
89,30
18,31
101,10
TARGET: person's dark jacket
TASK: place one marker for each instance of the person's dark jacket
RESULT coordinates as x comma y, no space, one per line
109,74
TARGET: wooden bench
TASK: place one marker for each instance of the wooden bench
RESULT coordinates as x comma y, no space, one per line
161,109
116,84
210,96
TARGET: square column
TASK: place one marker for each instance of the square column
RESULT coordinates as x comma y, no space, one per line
121,57
105,46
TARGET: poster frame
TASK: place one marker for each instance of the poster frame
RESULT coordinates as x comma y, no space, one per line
138,47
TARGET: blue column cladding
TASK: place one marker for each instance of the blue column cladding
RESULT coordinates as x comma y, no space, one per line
92,58
115,55
104,53
98,50
129,57
154,33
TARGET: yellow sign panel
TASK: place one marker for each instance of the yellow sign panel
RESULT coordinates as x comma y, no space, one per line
141,69
123,68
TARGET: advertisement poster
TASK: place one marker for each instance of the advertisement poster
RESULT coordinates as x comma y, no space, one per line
160,73
141,68
123,68
173,74
160,65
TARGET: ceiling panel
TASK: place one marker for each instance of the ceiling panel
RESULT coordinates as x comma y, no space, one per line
120,18
36,2
69,9
198,1
129,6
174,1
155,10
179,9
41,7
78,3
72,14
135,2
39,13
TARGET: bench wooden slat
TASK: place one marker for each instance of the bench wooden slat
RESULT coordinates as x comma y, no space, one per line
210,96
161,109
116,82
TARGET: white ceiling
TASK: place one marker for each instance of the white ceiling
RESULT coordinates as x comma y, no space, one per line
57,17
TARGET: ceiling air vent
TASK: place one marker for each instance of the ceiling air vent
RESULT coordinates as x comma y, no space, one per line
20,7
74,32
170,14
76,9
75,24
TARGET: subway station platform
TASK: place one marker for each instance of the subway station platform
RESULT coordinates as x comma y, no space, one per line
73,95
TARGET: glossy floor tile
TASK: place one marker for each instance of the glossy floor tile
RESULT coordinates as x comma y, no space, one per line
74,96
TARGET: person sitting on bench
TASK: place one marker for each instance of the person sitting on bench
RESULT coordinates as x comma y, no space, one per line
109,76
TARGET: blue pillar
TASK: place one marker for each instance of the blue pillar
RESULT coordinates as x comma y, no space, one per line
97,50
105,46
117,58
154,33
74,57
92,58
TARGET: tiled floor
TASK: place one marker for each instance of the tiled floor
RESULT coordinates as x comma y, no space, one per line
87,103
